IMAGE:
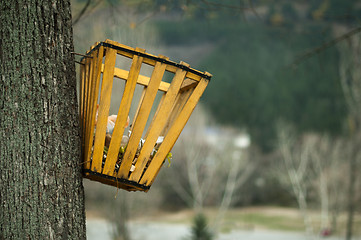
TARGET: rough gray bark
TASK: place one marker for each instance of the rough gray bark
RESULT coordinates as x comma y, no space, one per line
41,192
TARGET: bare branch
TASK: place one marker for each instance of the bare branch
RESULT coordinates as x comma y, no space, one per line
86,10
81,13
254,10
326,45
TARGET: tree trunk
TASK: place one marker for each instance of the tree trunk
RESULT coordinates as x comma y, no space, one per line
41,192
350,76
351,206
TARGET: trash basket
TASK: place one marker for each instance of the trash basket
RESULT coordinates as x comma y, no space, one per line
129,156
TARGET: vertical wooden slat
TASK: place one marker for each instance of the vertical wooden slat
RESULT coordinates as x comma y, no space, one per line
123,112
81,98
85,92
142,118
104,105
173,134
157,124
90,65
87,85
91,83
181,99
94,99
88,89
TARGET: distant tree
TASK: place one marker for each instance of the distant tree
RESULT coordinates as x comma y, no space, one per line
41,193
315,172
208,169
200,230
260,87
295,155
350,77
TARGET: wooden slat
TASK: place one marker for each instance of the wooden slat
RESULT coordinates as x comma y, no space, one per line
85,92
157,124
181,99
104,105
89,82
149,61
141,120
173,134
142,80
123,112
94,97
122,46
188,84
81,98
91,86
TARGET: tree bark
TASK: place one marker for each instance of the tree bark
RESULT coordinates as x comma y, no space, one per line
41,191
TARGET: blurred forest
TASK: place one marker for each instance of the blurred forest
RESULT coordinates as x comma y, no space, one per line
279,123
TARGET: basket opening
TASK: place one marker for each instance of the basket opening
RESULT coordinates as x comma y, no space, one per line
168,77
146,70
155,108
123,62
137,98
116,97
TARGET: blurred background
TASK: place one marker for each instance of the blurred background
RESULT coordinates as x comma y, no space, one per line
273,149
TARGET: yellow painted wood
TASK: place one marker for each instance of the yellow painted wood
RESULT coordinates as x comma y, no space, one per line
86,92
173,134
91,65
123,112
157,124
85,98
86,67
91,85
142,80
94,97
149,61
188,84
142,118
104,105
122,46
81,103
81,96
181,99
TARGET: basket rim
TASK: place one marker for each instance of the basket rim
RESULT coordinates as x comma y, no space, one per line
137,186
205,75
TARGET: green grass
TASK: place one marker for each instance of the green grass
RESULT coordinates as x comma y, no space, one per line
272,222
271,218
245,219
248,218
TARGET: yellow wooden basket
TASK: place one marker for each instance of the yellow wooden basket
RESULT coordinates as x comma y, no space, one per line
131,157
